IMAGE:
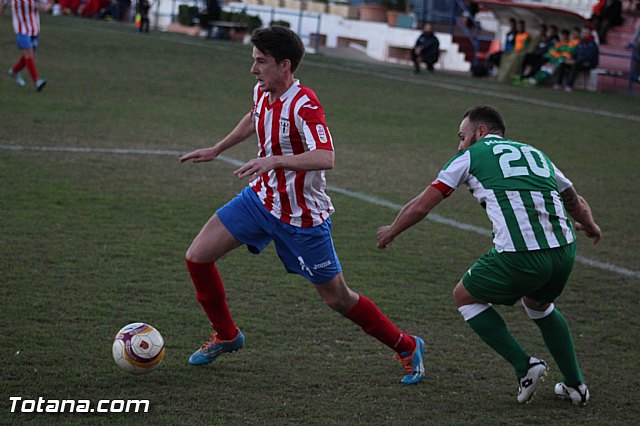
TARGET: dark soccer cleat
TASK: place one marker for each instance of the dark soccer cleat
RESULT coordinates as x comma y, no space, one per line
40,84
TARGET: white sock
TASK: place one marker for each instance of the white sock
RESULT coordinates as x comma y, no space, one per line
534,315
473,310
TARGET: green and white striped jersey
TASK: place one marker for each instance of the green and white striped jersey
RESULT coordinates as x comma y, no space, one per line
519,187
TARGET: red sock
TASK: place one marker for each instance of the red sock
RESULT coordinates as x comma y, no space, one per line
31,66
19,65
212,297
367,315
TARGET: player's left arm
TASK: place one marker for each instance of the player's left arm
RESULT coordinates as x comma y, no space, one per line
318,154
580,211
413,212
577,207
318,159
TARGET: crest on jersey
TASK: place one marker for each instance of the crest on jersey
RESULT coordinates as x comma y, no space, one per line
284,127
322,135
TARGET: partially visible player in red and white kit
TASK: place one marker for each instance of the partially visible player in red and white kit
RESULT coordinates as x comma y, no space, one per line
26,24
3,6
286,202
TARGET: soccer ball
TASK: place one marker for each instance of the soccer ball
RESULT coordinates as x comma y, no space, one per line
138,348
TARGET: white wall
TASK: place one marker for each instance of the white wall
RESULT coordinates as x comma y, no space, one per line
581,7
379,36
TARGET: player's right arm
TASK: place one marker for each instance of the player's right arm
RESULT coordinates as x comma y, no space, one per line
580,211
413,212
450,177
240,133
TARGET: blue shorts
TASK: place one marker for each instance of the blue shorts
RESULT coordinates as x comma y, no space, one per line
27,41
305,251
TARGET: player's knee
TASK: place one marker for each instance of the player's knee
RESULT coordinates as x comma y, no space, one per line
336,303
195,254
459,294
341,302
190,255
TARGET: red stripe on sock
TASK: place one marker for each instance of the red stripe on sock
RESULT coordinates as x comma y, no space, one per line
31,66
367,315
19,65
211,295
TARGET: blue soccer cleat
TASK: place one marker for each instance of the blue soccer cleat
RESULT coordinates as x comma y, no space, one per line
216,347
413,363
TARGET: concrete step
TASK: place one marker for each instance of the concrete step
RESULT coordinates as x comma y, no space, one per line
616,62
613,84
618,38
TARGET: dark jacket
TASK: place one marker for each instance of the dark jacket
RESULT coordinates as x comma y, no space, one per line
586,54
430,46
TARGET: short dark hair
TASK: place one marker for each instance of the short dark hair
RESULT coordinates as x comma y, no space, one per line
279,42
487,115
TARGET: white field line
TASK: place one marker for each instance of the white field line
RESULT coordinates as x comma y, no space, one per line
364,70
352,194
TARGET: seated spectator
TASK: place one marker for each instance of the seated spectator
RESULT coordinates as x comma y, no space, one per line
522,39
553,35
584,58
426,49
493,60
606,14
511,62
535,59
556,55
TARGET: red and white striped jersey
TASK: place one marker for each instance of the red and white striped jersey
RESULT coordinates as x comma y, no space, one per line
292,125
26,19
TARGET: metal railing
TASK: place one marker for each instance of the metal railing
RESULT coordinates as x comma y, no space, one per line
474,34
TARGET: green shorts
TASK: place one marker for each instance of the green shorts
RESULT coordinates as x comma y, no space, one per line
504,278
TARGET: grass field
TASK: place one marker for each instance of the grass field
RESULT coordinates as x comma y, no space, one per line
91,241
